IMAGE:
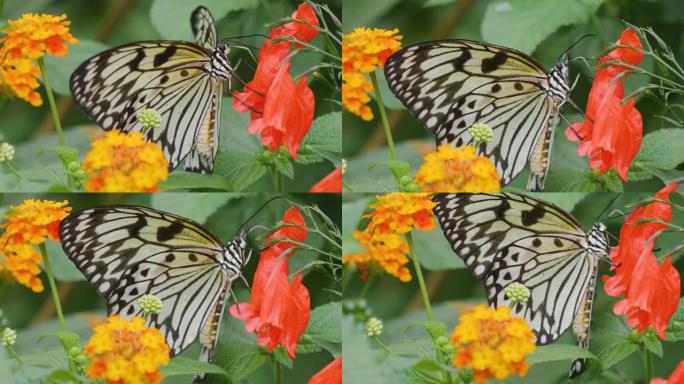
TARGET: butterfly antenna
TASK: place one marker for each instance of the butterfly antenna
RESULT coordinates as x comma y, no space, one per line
571,127
258,210
608,206
576,42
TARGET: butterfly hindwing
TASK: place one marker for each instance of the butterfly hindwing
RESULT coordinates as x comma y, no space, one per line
449,85
507,238
204,28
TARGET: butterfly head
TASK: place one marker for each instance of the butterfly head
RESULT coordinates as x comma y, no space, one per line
220,67
237,255
597,239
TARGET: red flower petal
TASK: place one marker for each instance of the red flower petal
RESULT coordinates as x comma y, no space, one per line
330,183
330,374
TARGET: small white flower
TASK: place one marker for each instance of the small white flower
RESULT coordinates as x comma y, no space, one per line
9,337
517,293
149,118
373,327
150,304
481,133
6,152
344,166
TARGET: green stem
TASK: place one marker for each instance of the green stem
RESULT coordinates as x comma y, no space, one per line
366,286
14,170
648,363
347,185
275,368
51,100
53,287
383,115
14,354
382,345
278,182
419,274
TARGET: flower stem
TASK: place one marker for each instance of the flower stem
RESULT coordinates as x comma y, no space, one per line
648,363
383,115
53,287
382,345
14,354
419,274
277,374
51,100
278,180
366,286
14,170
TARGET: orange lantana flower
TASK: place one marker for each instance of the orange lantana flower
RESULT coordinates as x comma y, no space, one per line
124,162
125,351
492,343
29,223
458,170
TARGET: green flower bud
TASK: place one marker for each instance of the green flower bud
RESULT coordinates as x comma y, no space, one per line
150,304
81,359
373,327
517,293
481,133
442,340
9,337
73,166
81,174
6,152
149,118
448,349
405,180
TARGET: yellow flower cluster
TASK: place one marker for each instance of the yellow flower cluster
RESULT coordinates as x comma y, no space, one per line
452,169
124,162
26,39
126,352
393,215
492,343
29,224
364,50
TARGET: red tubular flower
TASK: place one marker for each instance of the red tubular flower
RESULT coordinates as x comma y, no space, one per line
611,133
330,374
677,376
651,292
281,111
288,112
278,310
330,183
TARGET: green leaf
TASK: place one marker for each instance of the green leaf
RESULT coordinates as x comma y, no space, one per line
425,371
241,168
239,359
59,69
68,339
323,141
434,251
64,376
199,209
522,24
181,180
399,168
186,366
363,13
63,269
652,342
324,329
434,3
557,352
675,329
434,328
281,356
611,348
172,18
662,149
66,154
284,166
353,212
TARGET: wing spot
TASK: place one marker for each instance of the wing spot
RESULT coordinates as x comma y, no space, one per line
192,257
493,63
558,243
184,72
170,257
518,86
496,88
536,243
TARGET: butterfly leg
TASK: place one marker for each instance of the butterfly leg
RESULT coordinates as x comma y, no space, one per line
541,157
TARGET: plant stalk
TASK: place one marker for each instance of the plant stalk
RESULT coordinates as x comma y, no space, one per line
53,287
419,274
51,101
383,115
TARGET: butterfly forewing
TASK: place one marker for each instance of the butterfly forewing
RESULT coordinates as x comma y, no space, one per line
127,252
507,238
449,85
204,28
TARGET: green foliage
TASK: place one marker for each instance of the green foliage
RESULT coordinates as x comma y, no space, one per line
558,352
185,366
661,150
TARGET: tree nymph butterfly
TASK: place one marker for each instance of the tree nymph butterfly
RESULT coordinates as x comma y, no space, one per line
182,81
449,85
512,238
127,251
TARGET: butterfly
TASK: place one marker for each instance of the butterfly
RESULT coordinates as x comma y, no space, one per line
449,85
182,81
512,238
128,251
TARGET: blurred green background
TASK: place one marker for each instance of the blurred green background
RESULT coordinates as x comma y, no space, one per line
33,314
102,24
452,287
543,29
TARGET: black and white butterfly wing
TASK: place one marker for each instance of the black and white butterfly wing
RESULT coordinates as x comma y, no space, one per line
507,238
204,28
127,251
170,77
449,85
